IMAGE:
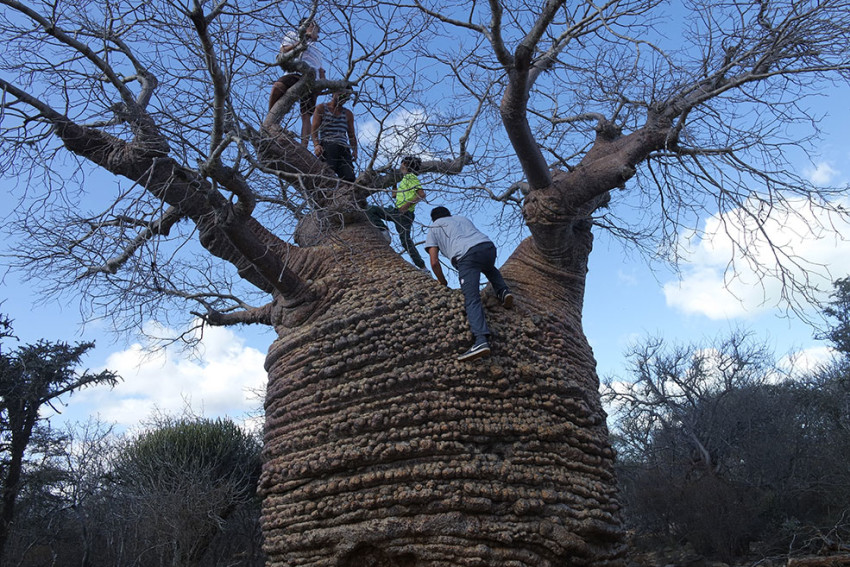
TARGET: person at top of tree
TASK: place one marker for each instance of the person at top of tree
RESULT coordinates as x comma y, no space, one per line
312,56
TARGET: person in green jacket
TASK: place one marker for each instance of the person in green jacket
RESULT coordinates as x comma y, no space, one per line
405,194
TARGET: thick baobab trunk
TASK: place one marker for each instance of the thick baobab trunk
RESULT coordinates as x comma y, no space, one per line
382,449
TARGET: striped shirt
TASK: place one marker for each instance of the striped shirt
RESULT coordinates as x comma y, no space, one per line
334,127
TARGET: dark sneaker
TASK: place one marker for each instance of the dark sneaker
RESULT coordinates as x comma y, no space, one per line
477,351
506,298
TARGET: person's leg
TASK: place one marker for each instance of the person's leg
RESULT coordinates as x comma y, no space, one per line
494,276
306,128
489,269
469,273
308,106
330,154
346,164
404,224
338,157
280,87
377,215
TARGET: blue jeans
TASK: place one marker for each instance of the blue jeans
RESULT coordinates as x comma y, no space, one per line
480,259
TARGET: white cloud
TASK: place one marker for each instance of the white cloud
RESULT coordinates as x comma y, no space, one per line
720,282
703,291
223,380
821,174
399,135
804,362
628,279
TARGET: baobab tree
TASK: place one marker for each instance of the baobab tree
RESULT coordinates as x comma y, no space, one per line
380,447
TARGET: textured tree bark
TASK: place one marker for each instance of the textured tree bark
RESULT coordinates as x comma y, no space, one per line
382,449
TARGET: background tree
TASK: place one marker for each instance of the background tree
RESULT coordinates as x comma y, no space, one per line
55,520
32,377
839,311
720,448
378,443
87,501
83,483
180,482
37,530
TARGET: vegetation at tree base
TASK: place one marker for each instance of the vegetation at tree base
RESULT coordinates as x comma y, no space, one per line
193,472
721,448
181,493
32,377
557,119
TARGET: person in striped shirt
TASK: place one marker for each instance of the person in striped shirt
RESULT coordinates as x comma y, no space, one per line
334,139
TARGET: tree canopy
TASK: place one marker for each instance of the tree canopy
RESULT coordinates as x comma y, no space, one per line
539,110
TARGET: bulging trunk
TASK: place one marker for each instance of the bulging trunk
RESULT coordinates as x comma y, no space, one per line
382,449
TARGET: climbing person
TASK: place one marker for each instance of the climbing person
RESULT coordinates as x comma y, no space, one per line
472,254
405,195
310,55
334,139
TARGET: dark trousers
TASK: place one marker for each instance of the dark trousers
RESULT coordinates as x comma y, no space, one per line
403,222
480,259
338,157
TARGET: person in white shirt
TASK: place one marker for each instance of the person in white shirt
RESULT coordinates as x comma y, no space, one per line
472,254
312,56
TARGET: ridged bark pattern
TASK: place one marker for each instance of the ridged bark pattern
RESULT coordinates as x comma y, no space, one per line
382,449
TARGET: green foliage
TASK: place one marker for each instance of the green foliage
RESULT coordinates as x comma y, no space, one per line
839,309
215,450
181,481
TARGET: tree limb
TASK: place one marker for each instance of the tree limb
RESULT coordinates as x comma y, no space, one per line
219,81
160,226
224,231
246,316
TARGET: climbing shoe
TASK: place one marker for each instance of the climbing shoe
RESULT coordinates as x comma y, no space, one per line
477,351
506,298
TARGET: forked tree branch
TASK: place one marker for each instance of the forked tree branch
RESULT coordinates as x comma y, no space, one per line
245,316
224,231
219,81
160,226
